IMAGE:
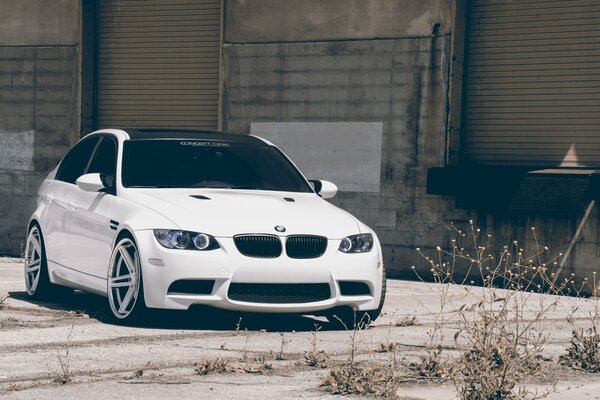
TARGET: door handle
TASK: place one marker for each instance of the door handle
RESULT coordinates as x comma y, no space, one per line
50,197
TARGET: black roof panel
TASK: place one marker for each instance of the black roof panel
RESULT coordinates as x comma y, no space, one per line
140,134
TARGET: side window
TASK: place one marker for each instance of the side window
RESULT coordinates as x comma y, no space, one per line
74,163
105,158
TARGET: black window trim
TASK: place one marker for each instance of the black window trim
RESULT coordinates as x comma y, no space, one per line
106,136
101,138
60,165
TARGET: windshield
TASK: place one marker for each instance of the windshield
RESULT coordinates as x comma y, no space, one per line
208,164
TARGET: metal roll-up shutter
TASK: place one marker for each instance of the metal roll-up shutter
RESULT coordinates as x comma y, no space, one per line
533,83
158,63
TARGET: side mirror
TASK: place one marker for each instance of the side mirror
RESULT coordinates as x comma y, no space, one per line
325,189
90,183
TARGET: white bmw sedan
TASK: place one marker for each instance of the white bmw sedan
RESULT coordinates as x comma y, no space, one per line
168,219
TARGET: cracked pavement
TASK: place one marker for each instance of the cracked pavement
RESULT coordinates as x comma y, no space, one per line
42,344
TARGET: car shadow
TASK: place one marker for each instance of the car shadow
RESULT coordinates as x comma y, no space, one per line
196,318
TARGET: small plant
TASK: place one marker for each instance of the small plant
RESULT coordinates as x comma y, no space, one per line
218,365
407,321
280,356
64,361
387,347
260,366
315,357
584,351
429,366
223,366
238,326
368,380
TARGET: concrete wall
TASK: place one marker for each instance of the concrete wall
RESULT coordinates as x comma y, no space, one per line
396,63
39,112
353,61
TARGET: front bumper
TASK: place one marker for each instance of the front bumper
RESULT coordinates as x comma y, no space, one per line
161,267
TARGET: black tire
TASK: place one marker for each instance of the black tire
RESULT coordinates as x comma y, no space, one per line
38,286
350,318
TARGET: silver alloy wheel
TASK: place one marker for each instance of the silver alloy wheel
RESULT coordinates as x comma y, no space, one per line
124,278
33,260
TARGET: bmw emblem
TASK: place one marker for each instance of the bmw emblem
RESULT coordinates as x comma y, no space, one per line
280,228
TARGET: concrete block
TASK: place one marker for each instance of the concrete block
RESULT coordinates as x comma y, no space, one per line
39,22
307,20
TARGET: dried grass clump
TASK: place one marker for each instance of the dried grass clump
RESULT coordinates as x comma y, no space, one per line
430,366
317,359
3,302
584,352
492,369
387,347
218,365
362,380
223,366
407,321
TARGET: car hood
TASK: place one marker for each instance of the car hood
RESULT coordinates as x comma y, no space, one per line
225,213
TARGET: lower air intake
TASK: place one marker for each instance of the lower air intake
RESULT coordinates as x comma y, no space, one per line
275,293
192,286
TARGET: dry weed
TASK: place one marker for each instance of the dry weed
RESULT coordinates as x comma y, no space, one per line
584,352
222,366
315,357
498,333
3,302
362,380
387,347
280,356
64,361
429,366
218,365
407,321
369,379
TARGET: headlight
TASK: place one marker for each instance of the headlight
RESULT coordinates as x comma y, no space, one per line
361,243
173,239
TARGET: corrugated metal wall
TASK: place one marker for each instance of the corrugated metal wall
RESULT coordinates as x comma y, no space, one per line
158,63
533,83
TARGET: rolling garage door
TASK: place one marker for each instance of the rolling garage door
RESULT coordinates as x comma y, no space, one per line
158,63
533,83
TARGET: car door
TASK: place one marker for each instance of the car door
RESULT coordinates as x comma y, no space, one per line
91,227
59,197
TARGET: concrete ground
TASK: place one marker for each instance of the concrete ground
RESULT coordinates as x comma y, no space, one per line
41,344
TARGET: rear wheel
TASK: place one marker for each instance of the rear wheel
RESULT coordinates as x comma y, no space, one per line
125,288
37,280
351,318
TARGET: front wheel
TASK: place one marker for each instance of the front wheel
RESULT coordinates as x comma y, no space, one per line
350,318
125,288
